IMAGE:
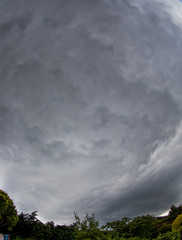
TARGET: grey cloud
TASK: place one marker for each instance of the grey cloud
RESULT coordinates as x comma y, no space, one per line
21,22
101,144
164,187
89,91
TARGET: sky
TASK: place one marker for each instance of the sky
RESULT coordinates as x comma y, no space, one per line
91,107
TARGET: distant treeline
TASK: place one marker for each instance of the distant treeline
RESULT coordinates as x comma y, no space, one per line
28,226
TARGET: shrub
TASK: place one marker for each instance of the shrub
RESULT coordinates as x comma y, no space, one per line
170,236
177,224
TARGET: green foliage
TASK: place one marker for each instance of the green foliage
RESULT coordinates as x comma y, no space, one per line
88,228
29,227
26,224
163,225
8,212
143,227
88,223
174,212
63,233
19,238
177,224
164,228
109,237
169,236
118,227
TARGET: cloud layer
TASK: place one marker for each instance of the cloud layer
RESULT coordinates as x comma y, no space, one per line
90,107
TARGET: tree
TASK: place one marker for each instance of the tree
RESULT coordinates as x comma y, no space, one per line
177,224
174,212
29,226
169,236
64,233
8,212
143,227
88,228
119,227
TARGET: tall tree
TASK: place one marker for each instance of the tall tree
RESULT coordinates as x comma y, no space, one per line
88,228
8,212
174,212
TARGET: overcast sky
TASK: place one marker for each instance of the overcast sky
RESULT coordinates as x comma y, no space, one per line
91,107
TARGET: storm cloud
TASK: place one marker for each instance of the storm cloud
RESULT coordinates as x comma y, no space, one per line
91,107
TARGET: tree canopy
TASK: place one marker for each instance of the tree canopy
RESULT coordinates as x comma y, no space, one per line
27,226
8,212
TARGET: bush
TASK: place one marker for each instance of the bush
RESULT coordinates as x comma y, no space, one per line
177,224
170,236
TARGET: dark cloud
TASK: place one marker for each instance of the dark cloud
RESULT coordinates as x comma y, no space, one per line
90,107
157,191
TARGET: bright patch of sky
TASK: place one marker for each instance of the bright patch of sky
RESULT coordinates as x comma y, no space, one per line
174,8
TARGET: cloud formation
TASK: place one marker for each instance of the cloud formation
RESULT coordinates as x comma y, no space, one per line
90,107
